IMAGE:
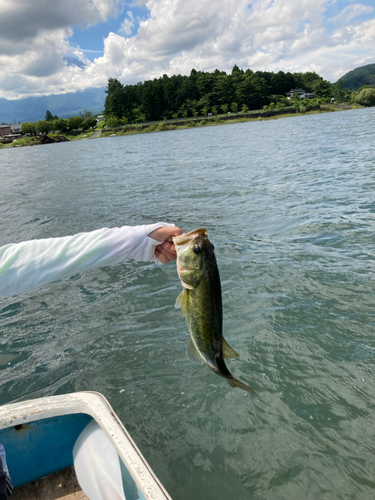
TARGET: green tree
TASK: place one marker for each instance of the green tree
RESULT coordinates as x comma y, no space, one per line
43,127
337,91
28,128
60,124
366,97
88,122
223,89
75,122
225,108
140,119
250,90
234,107
322,88
49,116
112,122
114,102
280,82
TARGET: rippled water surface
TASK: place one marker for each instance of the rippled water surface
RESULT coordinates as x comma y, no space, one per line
290,207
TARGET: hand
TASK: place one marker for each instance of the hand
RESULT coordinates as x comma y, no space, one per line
166,251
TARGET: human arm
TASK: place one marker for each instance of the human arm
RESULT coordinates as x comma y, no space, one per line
29,265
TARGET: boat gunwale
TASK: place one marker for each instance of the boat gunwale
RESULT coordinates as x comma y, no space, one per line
96,405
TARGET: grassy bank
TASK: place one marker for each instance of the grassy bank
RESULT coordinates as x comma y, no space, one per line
221,120
79,137
38,139
22,141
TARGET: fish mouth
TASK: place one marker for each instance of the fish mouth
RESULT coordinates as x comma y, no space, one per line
185,238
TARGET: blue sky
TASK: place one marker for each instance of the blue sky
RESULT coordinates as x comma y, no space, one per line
91,38
140,40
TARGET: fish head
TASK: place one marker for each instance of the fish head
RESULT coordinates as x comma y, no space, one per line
193,249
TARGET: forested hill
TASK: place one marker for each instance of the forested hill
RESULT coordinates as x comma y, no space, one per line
364,75
203,92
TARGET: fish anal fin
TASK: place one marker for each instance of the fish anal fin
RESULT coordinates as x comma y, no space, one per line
193,353
182,301
228,352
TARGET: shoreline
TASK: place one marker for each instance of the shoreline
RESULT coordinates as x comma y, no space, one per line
178,124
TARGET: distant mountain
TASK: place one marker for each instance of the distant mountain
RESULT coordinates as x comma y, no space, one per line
364,75
33,109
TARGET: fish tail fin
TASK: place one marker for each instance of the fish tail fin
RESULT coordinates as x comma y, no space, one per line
233,382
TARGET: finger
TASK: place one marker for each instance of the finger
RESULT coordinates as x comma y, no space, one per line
163,259
169,246
165,251
163,233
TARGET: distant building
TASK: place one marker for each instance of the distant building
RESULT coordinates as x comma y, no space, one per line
99,118
309,95
16,128
302,94
5,130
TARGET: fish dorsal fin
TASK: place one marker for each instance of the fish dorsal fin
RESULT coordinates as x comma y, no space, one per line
182,301
193,353
228,352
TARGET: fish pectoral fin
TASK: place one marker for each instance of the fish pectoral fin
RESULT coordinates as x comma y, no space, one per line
228,352
182,301
179,299
193,353
185,285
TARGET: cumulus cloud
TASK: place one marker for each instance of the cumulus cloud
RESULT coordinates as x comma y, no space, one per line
22,20
176,36
34,38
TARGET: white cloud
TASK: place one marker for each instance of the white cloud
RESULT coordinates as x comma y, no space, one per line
21,21
127,24
178,35
349,13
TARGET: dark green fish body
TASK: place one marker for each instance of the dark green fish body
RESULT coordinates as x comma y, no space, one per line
201,303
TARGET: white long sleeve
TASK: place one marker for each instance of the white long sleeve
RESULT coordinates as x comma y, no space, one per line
29,265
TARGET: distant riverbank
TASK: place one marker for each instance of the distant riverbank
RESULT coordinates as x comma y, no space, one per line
181,123
269,114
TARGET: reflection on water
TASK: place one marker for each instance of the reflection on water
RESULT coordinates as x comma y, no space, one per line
289,206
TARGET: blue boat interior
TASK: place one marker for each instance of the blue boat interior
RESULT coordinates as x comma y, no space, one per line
37,449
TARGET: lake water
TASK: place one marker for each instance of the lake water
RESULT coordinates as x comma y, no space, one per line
290,207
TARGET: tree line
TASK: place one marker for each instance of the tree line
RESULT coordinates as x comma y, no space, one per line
203,92
54,123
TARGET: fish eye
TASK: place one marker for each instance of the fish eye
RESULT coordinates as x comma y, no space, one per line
196,249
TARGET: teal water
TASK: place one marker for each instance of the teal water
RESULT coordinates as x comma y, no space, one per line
290,207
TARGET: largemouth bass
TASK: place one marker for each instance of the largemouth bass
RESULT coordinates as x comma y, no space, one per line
201,304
